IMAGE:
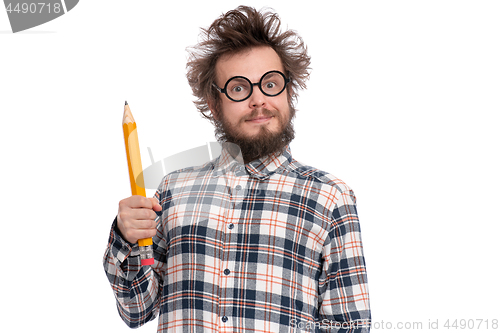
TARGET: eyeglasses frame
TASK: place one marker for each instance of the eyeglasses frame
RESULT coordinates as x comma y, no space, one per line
259,84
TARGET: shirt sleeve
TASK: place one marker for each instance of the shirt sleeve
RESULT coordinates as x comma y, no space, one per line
136,287
343,287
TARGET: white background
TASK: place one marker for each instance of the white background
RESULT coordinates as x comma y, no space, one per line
402,105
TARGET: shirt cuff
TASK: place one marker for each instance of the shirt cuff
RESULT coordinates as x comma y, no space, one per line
125,255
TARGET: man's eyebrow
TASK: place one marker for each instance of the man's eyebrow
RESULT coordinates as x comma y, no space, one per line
272,75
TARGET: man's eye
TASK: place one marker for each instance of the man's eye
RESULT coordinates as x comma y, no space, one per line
239,89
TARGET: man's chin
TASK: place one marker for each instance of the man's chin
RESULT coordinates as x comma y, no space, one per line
262,134
257,146
260,143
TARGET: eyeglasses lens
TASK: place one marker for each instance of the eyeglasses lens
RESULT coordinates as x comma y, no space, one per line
273,83
239,88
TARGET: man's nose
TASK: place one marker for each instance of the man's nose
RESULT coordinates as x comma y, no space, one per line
257,99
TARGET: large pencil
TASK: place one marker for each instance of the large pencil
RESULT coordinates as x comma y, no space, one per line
136,175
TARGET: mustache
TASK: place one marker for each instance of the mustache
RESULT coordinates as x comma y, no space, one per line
259,112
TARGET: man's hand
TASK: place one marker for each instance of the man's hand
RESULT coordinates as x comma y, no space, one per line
136,217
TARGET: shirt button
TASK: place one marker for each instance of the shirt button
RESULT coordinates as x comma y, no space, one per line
230,226
227,271
224,319
238,187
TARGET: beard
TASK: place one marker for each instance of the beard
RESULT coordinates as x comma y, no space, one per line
265,142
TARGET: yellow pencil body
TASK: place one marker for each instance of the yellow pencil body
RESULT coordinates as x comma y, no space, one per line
135,174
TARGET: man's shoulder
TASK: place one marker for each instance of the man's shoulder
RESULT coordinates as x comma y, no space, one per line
183,174
319,176
203,169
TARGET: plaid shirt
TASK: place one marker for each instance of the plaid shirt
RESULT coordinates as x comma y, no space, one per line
270,246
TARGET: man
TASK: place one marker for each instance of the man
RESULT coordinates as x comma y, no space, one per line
252,241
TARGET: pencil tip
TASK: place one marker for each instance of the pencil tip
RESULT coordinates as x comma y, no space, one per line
126,103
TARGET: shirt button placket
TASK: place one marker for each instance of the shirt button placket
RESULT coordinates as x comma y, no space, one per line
236,196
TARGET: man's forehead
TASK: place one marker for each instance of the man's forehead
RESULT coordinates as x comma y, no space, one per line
251,63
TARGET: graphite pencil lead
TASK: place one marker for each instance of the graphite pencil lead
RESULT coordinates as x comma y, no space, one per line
126,103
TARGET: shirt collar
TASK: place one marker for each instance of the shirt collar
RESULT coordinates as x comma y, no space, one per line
231,160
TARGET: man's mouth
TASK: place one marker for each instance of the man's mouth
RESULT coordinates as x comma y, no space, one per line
260,119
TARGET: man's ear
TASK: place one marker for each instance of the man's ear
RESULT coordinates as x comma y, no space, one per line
211,106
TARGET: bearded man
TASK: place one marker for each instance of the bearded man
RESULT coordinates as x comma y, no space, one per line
253,241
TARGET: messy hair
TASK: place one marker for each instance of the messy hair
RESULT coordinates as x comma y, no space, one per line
237,31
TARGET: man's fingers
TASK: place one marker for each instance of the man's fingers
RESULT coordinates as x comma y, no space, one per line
142,202
136,217
132,235
143,214
141,234
155,206
136,201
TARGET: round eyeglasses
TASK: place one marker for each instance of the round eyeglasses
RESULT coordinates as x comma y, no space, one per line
239,88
